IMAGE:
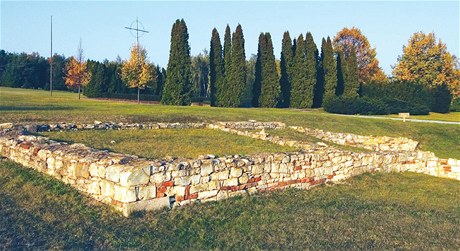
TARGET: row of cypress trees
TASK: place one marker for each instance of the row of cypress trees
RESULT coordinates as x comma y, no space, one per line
305,80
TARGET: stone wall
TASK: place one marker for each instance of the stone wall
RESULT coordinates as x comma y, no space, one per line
129,183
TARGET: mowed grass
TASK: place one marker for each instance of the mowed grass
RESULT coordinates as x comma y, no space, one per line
379,211
20,105
187,143
452,116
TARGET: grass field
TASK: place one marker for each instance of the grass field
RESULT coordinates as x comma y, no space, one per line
380,211
188,143
20,105
453,116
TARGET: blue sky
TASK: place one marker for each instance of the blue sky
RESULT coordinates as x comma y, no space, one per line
100,25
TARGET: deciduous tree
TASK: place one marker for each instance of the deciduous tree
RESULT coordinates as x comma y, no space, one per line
137,72
368,65
77,72
426,60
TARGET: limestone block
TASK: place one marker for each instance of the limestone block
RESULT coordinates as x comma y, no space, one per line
107,188
158,178
222,175
214,184
96,170
236,172
82,170
206,170
195,179
182,181
243,179
147,192
231,182
134,177
94,188
6,125
199,188
222,195
146,205
176,190
113,173
257,169
124,194
207,194
50,162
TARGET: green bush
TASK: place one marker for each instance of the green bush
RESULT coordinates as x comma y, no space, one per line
441,99
455,106
395,106
355,105
407,94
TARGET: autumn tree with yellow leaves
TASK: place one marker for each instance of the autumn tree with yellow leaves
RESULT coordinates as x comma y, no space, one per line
425,60
137,72
369,70
77,74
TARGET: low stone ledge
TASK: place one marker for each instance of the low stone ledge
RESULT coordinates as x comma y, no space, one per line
129,183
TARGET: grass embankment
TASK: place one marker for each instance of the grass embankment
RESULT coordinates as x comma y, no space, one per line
380,211
188,143
19,105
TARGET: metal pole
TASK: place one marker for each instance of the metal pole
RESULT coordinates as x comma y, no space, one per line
51,59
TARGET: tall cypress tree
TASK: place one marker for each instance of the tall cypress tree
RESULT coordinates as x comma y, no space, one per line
329,68
299,76
256,89
225,92
311,68
266,85
178,86
287,56
237,74
216,67
351,78
340,74
319,88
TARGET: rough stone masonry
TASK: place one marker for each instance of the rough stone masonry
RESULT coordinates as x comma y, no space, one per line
129,183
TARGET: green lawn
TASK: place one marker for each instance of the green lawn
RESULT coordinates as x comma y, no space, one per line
379,211
188,143
452,117
20,105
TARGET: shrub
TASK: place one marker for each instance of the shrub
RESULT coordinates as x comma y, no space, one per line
355,105
395,106
455,106
441,99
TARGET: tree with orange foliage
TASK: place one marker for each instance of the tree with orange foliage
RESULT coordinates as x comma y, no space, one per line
77,71
425,60
368,65
137,72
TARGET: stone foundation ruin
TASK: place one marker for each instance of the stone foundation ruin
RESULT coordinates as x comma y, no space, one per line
129,183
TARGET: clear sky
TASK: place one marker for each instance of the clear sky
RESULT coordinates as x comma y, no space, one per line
25,26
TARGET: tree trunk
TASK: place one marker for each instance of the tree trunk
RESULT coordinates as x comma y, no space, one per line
78,92
138,95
